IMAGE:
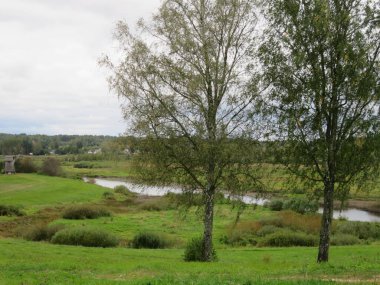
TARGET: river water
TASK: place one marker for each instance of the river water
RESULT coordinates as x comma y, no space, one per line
350,214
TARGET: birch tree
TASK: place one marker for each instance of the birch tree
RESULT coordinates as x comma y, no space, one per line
185,84
321,58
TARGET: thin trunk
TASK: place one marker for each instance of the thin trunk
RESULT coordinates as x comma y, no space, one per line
324,242
208,223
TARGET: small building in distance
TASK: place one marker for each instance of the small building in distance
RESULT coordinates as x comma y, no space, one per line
9,164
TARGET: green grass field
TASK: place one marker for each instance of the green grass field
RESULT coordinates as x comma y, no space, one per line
34,191
40,263
26,262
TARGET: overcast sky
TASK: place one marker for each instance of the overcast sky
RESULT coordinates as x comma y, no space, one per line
50,81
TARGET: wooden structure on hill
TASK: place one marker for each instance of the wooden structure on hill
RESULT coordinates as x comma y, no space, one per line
9,164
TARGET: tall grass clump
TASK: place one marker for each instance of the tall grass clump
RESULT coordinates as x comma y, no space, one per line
42,232
194,250
149,240
81,212
288,238
362,230
344,239
7,210
85,237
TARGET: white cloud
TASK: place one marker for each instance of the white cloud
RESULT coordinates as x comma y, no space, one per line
50,81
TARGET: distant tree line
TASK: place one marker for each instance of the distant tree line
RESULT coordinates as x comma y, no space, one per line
58,144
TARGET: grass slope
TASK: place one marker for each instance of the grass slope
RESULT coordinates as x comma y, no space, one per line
40,263
37,191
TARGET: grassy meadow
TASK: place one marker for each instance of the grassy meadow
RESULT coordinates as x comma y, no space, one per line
44,200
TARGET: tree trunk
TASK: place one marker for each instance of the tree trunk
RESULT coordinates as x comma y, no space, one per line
208,224
328,206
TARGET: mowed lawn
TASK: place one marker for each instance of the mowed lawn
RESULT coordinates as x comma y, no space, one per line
33,191
24,262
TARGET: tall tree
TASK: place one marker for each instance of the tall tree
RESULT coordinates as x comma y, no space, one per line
185,80
322,59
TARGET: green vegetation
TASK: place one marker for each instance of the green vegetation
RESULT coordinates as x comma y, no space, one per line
194,250
23,262
86,237
6,210
37,191
149,240
46,198
80,212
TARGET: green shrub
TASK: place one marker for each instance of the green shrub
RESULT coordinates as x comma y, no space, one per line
42,232
85,212
362,230
52,167
194,250
108,195
121,189
301,205
83,165
344,239
149,240
85,237
267,230
25,165
275,205
6,210
288,238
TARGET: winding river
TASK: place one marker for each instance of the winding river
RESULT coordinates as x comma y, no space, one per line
350,214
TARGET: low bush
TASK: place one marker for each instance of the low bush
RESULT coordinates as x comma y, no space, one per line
267,230
149,240
85,237
83,165
288,238
307,223
52,167
121,189
108,195
42,232
275,205
6,210
194,250
301,205
25,165
85,212
242,234
362,230
344,239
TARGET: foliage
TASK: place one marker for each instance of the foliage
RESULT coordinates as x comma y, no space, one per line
149,240
85,237
344,239
51,166
109,195
25,165
360,230
288,238
42,232
275,205
322,61
301,205
186,94
80,212
9,210
194,251
43,144
83,165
